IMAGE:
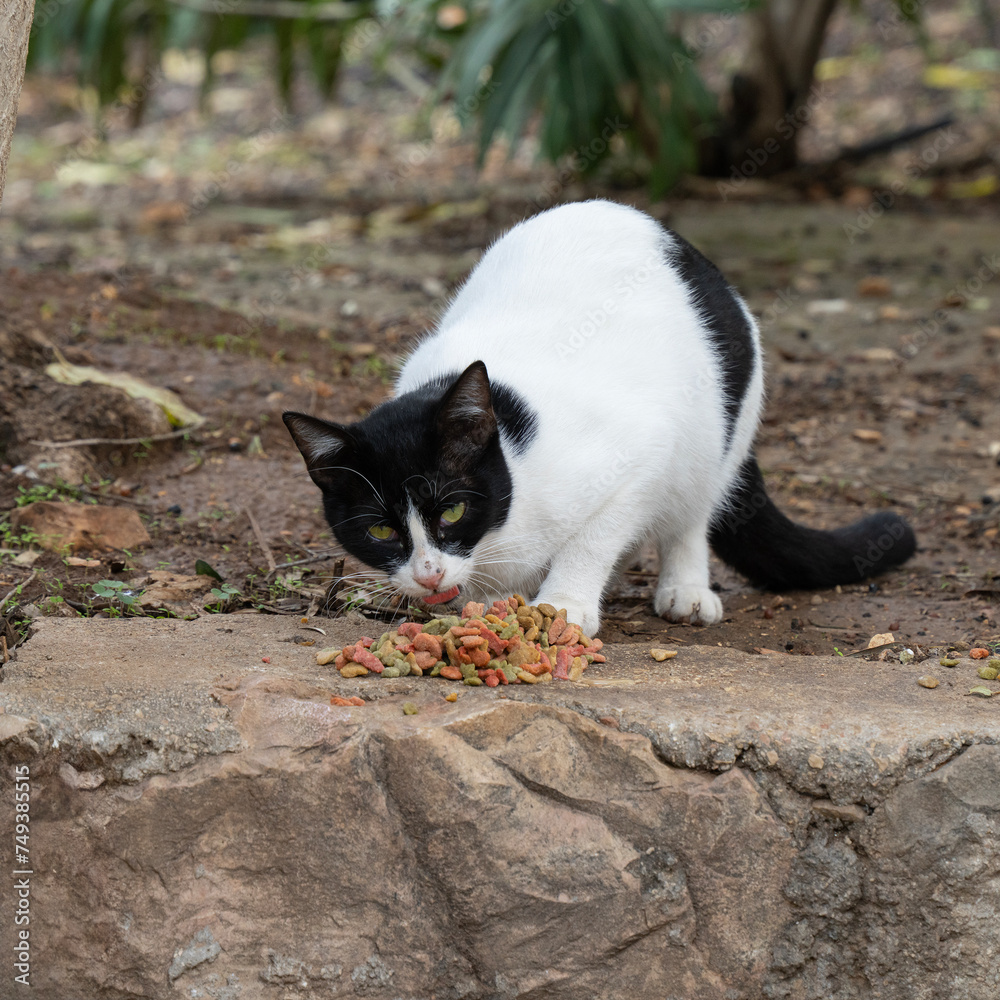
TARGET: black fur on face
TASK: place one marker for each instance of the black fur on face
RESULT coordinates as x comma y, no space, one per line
429,450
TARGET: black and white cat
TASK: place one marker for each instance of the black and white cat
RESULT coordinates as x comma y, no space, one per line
596,383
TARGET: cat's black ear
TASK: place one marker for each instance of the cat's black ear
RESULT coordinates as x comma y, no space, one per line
321,442
466,422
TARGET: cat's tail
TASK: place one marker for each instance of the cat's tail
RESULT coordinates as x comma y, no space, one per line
755,538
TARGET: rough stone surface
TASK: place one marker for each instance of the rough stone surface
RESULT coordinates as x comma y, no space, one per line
80,527
206,824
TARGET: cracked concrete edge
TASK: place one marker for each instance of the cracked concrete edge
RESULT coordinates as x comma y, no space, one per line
847,732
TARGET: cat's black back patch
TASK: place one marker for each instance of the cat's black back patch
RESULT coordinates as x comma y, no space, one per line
516,420
725,321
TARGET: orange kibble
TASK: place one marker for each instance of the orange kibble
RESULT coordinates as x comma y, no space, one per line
979,653
451,696
480,656
424,643
452,673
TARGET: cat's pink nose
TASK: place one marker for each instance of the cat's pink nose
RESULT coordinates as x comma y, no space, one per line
429,579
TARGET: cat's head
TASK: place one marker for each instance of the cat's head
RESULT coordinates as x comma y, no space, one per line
414,486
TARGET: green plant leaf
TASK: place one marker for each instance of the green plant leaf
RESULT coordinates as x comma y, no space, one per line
202,568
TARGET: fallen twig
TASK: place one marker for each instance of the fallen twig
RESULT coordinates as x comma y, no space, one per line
299,562
17,587
88,442
268,555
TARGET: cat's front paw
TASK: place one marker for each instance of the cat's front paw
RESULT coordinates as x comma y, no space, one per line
699,605
589,619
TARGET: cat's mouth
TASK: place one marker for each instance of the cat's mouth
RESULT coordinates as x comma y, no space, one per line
443,597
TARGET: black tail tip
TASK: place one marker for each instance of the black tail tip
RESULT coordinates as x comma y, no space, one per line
880,542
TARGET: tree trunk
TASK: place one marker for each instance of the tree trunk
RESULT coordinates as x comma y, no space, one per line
773,97
15,27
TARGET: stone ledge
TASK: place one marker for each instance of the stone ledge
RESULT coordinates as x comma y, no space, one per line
721,825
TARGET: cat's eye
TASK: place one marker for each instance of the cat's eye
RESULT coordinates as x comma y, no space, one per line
382,532
450,515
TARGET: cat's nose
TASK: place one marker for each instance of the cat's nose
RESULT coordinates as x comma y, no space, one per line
429,578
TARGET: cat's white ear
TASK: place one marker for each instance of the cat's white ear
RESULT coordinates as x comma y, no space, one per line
319,441
466,422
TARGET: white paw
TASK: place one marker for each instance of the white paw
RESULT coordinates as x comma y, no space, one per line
699,605
588,618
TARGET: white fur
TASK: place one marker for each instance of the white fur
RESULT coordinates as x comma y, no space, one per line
578,311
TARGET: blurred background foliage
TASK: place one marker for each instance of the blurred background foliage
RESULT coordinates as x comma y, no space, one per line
572,69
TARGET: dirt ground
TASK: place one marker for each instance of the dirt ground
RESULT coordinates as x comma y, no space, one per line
254,264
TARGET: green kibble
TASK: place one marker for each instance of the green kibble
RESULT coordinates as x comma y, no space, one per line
995,664
449,621
494,664
988,673
590,657
543,638
404,669
434,627
437,668
390,672
384,637
409,708
509,672
472,681
468,670
510,631
945,662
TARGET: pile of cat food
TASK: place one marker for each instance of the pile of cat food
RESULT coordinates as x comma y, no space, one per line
512,643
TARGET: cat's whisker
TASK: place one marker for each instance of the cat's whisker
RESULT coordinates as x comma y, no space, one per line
347,468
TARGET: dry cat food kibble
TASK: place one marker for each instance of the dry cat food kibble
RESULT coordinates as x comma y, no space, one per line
512,643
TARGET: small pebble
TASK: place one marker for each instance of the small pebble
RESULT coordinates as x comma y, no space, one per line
662,654
867,435
927,682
